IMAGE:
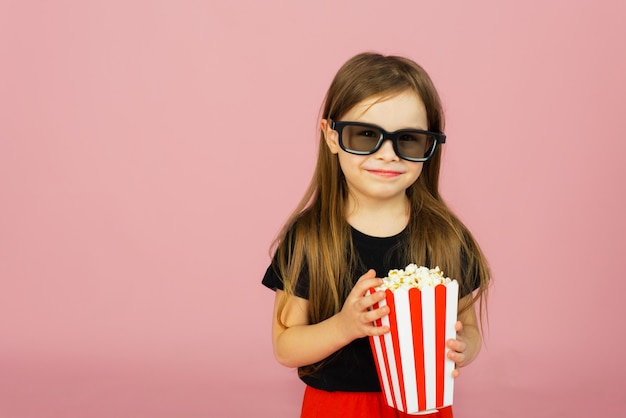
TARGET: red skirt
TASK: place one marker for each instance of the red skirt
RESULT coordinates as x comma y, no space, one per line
321,404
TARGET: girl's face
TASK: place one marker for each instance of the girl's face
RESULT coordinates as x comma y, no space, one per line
382,176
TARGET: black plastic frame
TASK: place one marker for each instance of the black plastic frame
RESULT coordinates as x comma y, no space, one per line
338,126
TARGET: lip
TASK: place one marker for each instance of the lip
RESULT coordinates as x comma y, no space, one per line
385,173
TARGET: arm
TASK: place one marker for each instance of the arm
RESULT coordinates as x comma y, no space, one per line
465,348
299,343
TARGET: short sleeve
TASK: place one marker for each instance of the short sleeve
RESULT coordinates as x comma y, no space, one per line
274,281
471,276
271,279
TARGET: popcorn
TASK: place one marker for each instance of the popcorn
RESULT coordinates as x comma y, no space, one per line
413,276
414,371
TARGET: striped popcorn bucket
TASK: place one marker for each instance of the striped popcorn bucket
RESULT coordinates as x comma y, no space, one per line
414,371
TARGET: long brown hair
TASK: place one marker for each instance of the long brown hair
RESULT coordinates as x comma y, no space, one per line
317,236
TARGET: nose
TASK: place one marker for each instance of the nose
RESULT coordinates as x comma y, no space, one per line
386,151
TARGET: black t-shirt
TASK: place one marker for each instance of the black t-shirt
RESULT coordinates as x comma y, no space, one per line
352,368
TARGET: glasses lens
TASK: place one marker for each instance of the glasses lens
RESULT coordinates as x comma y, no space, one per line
415,144
360,138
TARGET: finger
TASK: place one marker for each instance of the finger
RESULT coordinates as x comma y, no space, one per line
456,345
367,301
375,331
365,284
371,302
370,274
456,356
373,325
375,314
455,373
458,326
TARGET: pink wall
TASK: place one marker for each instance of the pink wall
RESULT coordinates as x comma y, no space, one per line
149,151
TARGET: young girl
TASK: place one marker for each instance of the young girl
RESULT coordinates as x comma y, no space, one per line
373,205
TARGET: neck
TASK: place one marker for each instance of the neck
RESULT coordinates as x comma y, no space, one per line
379,218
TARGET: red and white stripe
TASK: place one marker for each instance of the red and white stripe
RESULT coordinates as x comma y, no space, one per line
414,371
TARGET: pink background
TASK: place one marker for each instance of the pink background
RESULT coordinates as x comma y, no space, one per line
149,152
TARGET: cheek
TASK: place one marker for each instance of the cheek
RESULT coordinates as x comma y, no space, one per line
416,171
348,162
416,168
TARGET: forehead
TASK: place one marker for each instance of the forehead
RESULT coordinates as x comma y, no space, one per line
391,111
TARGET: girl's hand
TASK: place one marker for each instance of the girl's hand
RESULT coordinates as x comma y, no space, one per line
463,349
457,348
356,318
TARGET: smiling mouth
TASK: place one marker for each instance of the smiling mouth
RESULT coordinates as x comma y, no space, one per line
385,173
